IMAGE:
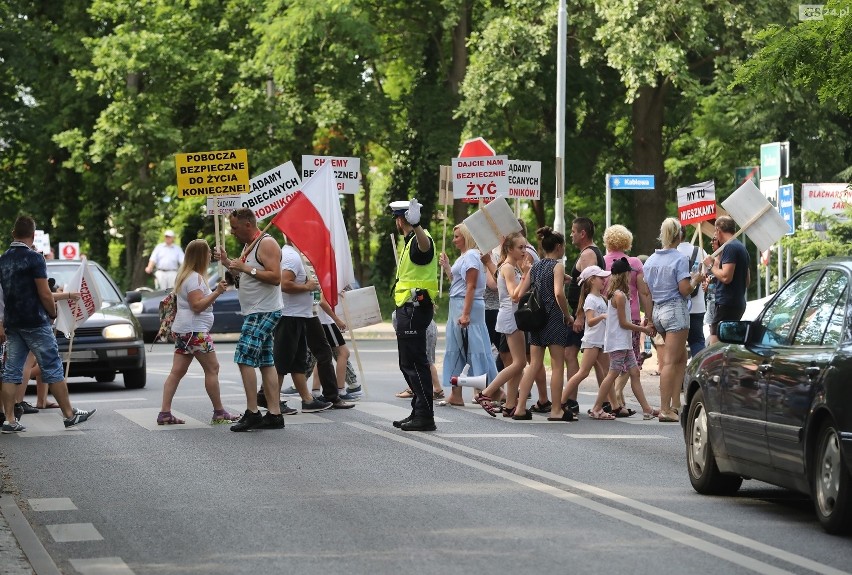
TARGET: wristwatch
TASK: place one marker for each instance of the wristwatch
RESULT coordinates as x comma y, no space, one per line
254,271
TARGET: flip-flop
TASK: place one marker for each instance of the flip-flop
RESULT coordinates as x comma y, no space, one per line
49,405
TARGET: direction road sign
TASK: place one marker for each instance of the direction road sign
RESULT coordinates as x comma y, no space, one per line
628,182
786,207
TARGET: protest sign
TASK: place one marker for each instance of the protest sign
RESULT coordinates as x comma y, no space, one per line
227,204
271,190
361,307
490,223
524,180
217,173
696,203
480,178
347,171
755,216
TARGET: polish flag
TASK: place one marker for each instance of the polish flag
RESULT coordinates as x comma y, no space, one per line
313,222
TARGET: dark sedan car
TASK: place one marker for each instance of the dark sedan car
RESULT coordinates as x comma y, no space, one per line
226,310
110,341
773,399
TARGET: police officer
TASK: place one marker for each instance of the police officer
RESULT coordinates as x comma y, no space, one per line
416,284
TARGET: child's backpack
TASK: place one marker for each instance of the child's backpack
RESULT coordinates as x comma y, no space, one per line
168,311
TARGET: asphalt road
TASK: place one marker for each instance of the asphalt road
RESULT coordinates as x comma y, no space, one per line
345,492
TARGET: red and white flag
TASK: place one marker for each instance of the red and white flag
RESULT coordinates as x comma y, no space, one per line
313,222
71,313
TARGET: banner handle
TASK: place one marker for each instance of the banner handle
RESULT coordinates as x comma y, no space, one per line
744,227
216,232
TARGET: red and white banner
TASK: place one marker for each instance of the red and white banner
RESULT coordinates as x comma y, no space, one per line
71,313
696,203
313,222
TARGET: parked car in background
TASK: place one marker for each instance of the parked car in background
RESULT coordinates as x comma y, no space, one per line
773,399
109,342
226,310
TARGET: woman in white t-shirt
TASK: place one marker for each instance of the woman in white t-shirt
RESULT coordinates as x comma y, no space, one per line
190,329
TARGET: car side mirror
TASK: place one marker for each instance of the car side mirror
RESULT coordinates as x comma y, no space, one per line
733,331
132,297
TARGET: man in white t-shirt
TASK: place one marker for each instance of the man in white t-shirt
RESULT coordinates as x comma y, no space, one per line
298,330
696,254
166,258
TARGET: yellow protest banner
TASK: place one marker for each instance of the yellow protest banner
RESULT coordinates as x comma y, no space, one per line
217,173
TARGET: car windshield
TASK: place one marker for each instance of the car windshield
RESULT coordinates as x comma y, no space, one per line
63,273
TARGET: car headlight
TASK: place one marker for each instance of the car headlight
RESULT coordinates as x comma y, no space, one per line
119,331
136,307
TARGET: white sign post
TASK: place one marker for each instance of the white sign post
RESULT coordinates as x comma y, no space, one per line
755,216
491,222
347,171
271,190
483,178
696,203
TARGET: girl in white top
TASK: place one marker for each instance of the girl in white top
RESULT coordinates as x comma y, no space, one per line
193,321
515,263
591,281
618,343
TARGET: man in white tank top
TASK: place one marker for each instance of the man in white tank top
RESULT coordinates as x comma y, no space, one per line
260,302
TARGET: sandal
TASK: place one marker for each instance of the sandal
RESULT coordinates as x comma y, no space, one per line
623,411
485,403
646,415
601,415
166,418
542,407
438,394
571,405
508,411
525,416
567,415
222,417
670,417
405,394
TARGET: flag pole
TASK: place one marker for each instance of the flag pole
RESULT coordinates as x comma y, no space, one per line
354,344
68,361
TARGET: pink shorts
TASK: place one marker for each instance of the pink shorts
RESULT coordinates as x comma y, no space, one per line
192,343
622,360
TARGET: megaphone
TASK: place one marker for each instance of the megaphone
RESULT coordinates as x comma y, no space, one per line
469,381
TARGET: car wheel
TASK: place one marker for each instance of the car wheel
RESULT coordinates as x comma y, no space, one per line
831,482
135,378
105,377
704,474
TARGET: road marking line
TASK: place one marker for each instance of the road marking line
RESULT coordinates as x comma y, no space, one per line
116,400
485,435
71,532
46,425
296,419
605,436
39,558
101,566
147,417
388,411
52,504
616,511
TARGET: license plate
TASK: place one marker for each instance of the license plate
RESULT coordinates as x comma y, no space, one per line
85,355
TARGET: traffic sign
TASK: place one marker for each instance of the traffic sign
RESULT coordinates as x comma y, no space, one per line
628,182
476,148
775,160
786,207
744,173
69,250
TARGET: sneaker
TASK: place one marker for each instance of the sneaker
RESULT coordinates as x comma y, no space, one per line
287,410
290,391
261,399
13,427
79,417
18,411
223,417
248,421
317,394
349,397
270,421
315,405
355,390
27,407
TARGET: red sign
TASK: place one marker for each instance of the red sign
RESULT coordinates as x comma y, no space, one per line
476,148
69,250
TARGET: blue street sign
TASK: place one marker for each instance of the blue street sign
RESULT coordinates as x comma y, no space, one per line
786,208
631,182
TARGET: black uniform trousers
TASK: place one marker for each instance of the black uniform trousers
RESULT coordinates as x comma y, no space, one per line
411,324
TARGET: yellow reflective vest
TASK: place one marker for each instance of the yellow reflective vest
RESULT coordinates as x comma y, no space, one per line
410,275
